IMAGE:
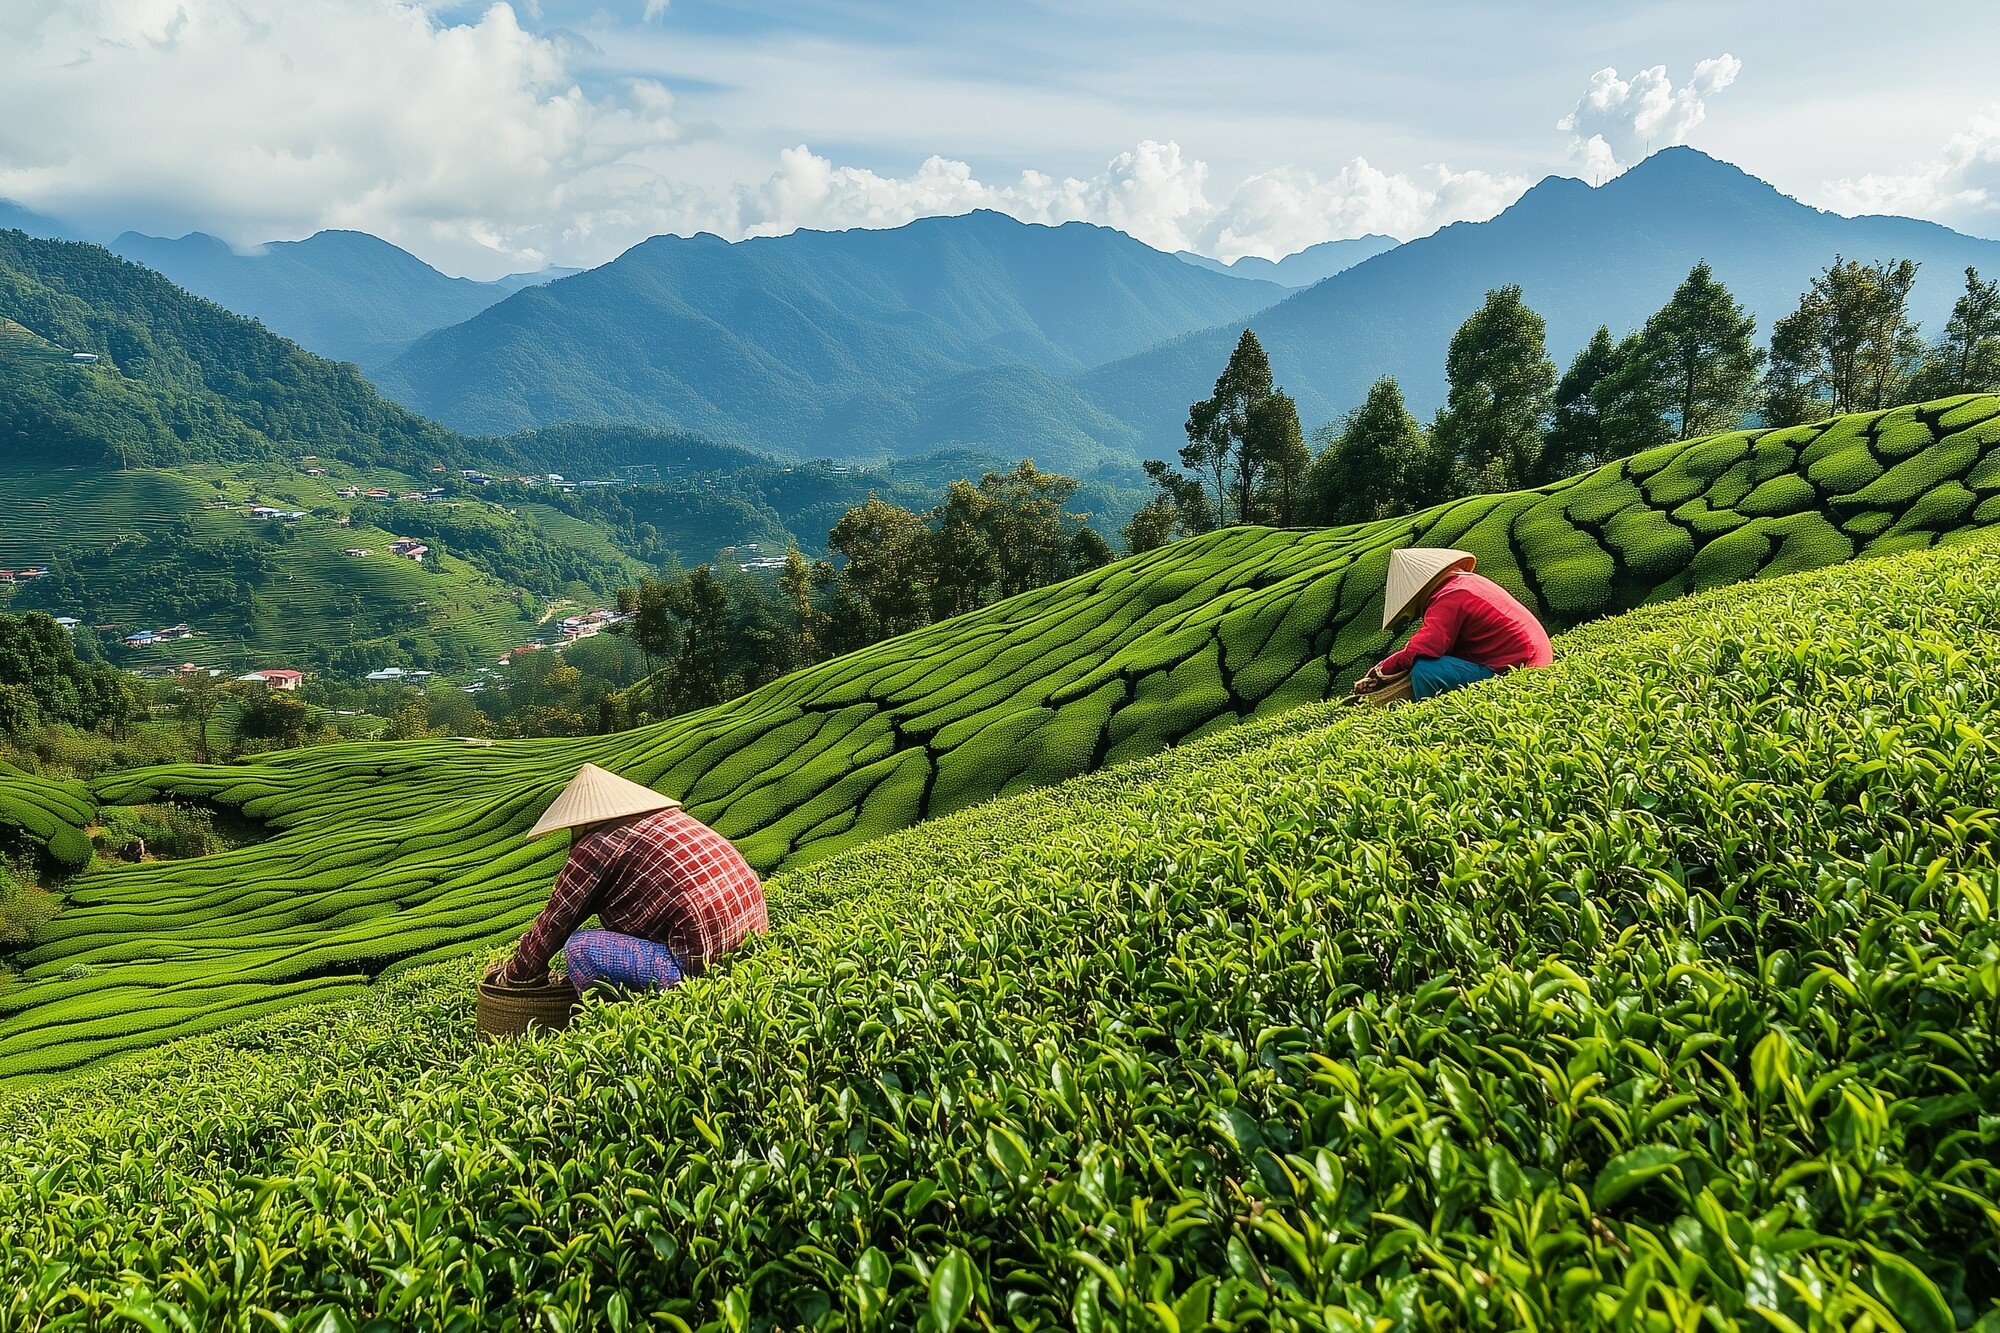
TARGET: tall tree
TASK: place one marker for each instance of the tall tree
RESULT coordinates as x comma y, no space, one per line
885,551
1156,523
1228,431
196,702
1967,358
1849,347
1501,389
795,586
1698,347
1364,464
1276,461
1576,439
701,667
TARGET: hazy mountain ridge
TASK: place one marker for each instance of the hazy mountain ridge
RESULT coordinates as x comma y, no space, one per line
1303,268
346,295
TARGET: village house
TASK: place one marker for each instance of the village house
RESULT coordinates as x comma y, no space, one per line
349,492
277,678
315,472
358,551
378,495
409,548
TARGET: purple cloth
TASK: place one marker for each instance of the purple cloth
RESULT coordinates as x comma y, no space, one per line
624,961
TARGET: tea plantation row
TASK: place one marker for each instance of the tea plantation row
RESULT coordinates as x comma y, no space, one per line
393,855
1657,990
48,815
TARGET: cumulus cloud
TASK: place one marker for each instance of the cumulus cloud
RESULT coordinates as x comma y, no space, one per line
1154,191
1960,186
486,147
467,138
1276,213
1618,121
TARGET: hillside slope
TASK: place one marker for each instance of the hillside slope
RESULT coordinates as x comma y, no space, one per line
813,343
1522,1008
1583,257
343,294
176,378
388,855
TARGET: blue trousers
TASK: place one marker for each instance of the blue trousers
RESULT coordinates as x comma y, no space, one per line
1436,675
624,961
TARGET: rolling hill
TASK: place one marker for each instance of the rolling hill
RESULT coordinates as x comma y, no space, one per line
1519,1009
1583,256
1302,269
388,856
346,295
858,343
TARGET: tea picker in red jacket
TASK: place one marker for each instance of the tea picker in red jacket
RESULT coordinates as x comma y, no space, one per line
1472,627
672,893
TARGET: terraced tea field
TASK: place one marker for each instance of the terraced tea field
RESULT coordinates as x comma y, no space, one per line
1522,1009
389,856
315,595
49,814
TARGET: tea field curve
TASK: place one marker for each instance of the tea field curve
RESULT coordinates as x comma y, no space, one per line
388,856
1660,989
48,815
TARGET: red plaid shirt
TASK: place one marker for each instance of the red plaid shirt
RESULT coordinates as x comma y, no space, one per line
666,877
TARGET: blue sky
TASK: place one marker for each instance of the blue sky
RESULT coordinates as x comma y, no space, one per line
488,137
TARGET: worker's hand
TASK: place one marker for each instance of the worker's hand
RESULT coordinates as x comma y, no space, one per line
1371,681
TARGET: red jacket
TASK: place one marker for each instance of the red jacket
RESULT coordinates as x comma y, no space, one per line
1472,617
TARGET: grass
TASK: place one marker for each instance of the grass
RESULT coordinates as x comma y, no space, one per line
1529,1007
387,857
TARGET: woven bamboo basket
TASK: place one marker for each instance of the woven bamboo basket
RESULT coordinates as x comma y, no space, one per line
1397,690
506,1012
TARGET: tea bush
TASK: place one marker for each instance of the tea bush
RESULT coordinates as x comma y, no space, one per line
48,814
1660,989
388,855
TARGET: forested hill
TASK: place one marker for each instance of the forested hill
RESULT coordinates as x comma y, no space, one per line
959,330
176,378
1583,257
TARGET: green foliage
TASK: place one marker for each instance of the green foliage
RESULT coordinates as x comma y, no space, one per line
1501,396
178,379
48,815
1365,466
385,856
1518,1009
1849,347
42,681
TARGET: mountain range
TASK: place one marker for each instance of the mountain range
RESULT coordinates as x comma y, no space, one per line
1076,345
1584,256
343,294
960,330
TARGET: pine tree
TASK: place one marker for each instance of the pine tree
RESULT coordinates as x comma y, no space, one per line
1501,392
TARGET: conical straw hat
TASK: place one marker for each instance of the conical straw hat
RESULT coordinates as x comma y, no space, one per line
595,795
1411,571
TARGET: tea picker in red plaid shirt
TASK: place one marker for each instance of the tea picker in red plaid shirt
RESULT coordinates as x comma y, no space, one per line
672,893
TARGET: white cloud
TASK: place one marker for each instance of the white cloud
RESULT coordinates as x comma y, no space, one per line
470,139
485,147
1276,213
1961,186
1618,121
1155,192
